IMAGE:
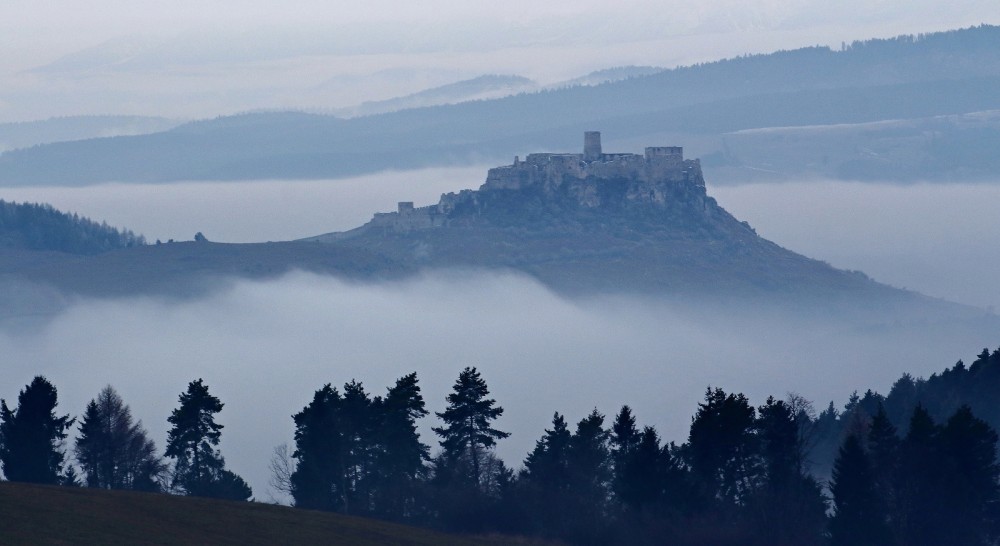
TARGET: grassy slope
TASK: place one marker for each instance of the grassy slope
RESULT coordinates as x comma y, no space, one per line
33,514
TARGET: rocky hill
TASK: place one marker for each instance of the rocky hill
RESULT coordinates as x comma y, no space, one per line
582,224
595,221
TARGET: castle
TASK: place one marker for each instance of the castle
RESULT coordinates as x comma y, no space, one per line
656,176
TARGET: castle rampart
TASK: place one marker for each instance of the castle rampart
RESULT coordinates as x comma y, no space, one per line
652,177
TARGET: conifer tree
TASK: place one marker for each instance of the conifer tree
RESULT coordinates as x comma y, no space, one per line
641,472
970,485
401,456
113,450
467,432
883,451
919,504
317,480
787,506
31,435
547,464
624,439
859,518
720,447
199,469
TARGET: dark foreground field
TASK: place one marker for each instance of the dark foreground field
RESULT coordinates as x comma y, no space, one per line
33,514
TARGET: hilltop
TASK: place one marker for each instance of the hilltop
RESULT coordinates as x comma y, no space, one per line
582,224
37,514
603,222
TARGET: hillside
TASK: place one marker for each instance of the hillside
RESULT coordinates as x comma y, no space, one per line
581,224
31,133
946,73
35,514
40,227
604,222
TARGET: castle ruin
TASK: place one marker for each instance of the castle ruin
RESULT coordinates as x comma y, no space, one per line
651,178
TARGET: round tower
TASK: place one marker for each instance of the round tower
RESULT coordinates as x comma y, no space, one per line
592,145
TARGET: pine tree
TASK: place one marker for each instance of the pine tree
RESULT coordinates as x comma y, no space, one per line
467,434
199,469
31,436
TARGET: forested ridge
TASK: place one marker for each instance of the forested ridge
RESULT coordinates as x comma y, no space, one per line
37,226
916,466
934,74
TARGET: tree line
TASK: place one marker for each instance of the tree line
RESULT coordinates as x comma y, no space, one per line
744,475
40,227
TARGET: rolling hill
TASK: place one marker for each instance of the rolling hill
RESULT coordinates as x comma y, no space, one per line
37,514
948,73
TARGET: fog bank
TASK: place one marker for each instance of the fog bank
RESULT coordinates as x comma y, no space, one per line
264,348
937,239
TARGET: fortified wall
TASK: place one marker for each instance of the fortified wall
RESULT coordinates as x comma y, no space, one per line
658,164
654,177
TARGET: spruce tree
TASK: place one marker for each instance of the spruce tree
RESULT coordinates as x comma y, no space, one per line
919,504
859,518
720,447
624,439
970,485
401,457
32,435
317,480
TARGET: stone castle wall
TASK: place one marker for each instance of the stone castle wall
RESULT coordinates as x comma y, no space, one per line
651,177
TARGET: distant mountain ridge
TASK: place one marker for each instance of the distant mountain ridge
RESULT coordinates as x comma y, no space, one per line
31,133
488,86
948,73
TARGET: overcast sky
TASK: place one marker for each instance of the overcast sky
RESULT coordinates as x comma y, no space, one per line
203,58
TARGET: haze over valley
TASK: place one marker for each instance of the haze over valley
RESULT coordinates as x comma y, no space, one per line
591,205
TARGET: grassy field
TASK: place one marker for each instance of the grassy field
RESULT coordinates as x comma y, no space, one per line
33,514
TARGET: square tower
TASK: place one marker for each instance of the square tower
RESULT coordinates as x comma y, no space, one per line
592,146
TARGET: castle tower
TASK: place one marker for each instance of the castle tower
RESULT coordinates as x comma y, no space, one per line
591,145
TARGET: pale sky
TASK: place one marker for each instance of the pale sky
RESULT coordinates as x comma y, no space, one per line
202,58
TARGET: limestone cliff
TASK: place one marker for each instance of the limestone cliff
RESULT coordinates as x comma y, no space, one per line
659,186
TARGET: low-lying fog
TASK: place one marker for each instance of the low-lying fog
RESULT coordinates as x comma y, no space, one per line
264,348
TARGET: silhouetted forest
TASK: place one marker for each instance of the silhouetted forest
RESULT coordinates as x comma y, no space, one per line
40,227
917,466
